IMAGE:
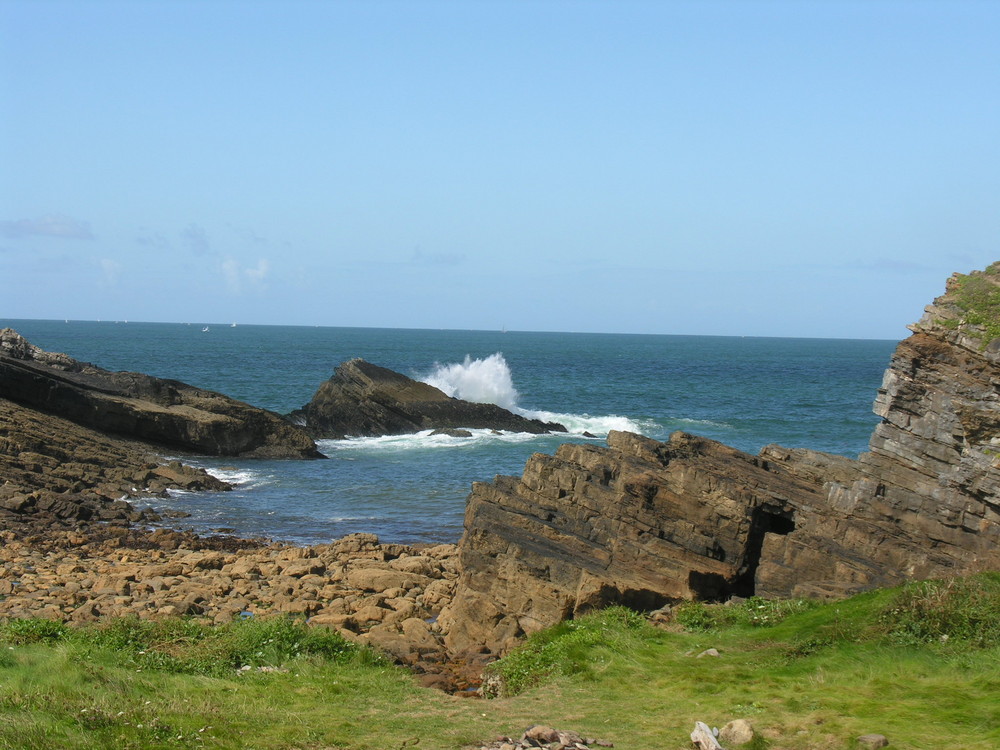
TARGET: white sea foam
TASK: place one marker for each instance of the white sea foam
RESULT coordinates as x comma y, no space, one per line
342,519
599,426
418,441
239,477
483,381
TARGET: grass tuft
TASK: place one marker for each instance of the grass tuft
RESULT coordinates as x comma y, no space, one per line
755,612
574,647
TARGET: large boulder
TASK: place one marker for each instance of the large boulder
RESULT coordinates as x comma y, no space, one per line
365,400
164,413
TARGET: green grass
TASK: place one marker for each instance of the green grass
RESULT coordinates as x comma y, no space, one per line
978,297
920,664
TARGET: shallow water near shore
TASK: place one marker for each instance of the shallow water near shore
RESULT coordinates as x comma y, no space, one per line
746,392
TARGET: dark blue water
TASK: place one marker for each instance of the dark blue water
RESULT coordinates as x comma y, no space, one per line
746,392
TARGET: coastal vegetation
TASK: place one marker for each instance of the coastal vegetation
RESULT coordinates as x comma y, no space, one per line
977,296
920,664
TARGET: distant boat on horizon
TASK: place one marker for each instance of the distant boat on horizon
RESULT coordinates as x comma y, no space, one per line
233,325
204,329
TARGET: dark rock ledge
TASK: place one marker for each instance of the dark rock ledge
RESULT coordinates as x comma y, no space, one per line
164,413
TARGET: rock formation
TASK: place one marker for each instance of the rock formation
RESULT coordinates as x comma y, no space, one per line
647,523
161,412
56,474
365,400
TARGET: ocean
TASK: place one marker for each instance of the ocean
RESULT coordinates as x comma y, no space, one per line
744,391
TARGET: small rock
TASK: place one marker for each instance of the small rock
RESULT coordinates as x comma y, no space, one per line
873,741
708,652
738,732
541,733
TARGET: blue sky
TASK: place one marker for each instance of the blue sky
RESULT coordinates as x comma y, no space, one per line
736,168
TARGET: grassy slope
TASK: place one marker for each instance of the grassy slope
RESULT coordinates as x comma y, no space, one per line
817,679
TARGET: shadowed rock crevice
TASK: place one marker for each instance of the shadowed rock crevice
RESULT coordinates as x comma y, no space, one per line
763,521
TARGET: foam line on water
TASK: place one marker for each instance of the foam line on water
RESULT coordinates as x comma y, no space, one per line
419,441
701,422
577,424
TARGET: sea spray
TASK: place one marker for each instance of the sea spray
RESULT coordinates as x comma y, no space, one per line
482,381
490,381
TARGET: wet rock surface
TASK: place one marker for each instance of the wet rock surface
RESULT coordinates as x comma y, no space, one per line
365,400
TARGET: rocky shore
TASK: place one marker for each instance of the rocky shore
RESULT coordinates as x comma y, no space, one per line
639,522
386,595
136,406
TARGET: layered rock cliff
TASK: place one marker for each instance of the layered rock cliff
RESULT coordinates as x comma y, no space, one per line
161,412
647,523
365,400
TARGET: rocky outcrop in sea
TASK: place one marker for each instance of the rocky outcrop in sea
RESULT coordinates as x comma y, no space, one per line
648,523
365,400
163,413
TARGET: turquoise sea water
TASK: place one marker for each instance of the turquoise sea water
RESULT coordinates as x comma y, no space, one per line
746,392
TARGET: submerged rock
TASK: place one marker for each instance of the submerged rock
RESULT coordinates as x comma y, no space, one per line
365,400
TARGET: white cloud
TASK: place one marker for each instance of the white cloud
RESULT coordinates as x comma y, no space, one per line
53,225
239,279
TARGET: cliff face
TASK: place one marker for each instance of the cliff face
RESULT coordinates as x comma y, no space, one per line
645,523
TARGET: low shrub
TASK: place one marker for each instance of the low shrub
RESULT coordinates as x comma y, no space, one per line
34,630
963,611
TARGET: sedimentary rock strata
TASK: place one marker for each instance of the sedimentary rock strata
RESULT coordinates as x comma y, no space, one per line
56,474
647,523
161,412
365,400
